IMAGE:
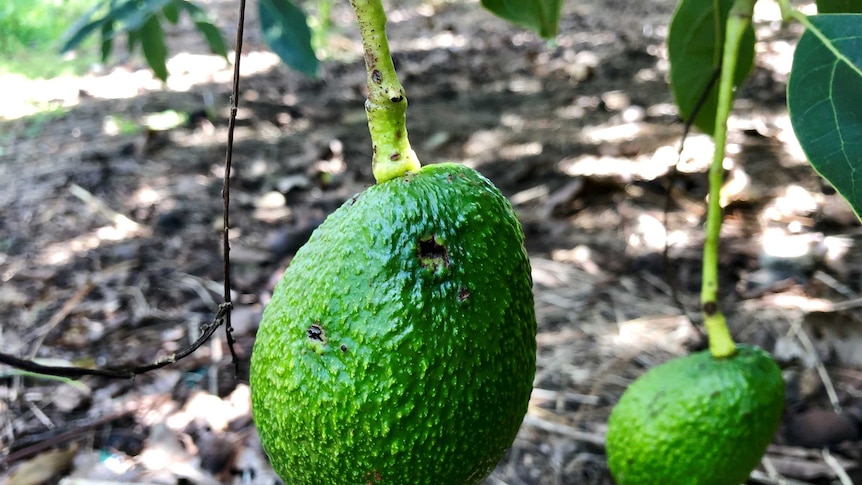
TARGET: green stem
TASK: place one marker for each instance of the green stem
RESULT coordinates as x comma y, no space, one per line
386,105
720,342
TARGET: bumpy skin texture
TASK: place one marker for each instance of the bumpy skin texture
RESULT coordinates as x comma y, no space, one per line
399,347
696,420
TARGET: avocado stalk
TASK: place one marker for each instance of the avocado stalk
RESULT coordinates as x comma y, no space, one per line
386,106
721,344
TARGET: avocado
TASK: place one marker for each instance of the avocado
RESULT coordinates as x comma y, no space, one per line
399,347
696,420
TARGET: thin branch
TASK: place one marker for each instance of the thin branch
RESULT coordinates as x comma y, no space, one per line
228,161
72,372
224,310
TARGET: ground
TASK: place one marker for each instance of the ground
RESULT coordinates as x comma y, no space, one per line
110,252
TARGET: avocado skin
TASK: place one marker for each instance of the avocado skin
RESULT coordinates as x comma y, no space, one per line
400,345
696,420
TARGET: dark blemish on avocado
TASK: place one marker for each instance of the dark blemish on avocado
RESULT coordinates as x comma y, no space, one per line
376,76
343,348
431,253
315,332
374,475
395,156
354,199
463,295
397,99
710,308
655,406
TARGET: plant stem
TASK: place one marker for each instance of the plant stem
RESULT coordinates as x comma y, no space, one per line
386,105
720,342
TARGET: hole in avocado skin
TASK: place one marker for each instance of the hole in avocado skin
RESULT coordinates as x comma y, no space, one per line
431,253
315,332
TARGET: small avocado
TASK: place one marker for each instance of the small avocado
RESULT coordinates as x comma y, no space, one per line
696,420
399,347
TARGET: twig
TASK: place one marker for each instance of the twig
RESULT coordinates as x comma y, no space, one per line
806,342
40,415
228,161
836,467
73,372
96,205
224,309
538,422
60,315
760,477
57,439
771,472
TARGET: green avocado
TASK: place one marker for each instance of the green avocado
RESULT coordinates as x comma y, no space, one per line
696,420
400,345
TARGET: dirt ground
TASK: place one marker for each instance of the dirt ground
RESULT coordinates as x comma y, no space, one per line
110,249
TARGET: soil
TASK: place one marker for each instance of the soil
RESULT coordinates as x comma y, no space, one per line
110,251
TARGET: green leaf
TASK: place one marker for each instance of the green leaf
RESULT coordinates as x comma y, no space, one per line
107,40
83,27
153,45
212,34
134,19
694,49
286,31
171,11
540,16
823,97
213,37
839,6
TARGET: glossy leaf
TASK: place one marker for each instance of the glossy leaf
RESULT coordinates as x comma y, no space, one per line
839,6
824,97
153,45
286,31
540,16
694,48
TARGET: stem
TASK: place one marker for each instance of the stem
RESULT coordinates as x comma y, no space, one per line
720,342
386,105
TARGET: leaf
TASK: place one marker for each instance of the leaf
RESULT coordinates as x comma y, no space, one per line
107,40
823,97
694,49
122,12
839,6
213,37
286,31
171,11
540,16
141,14
83,27
153,45
212,34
